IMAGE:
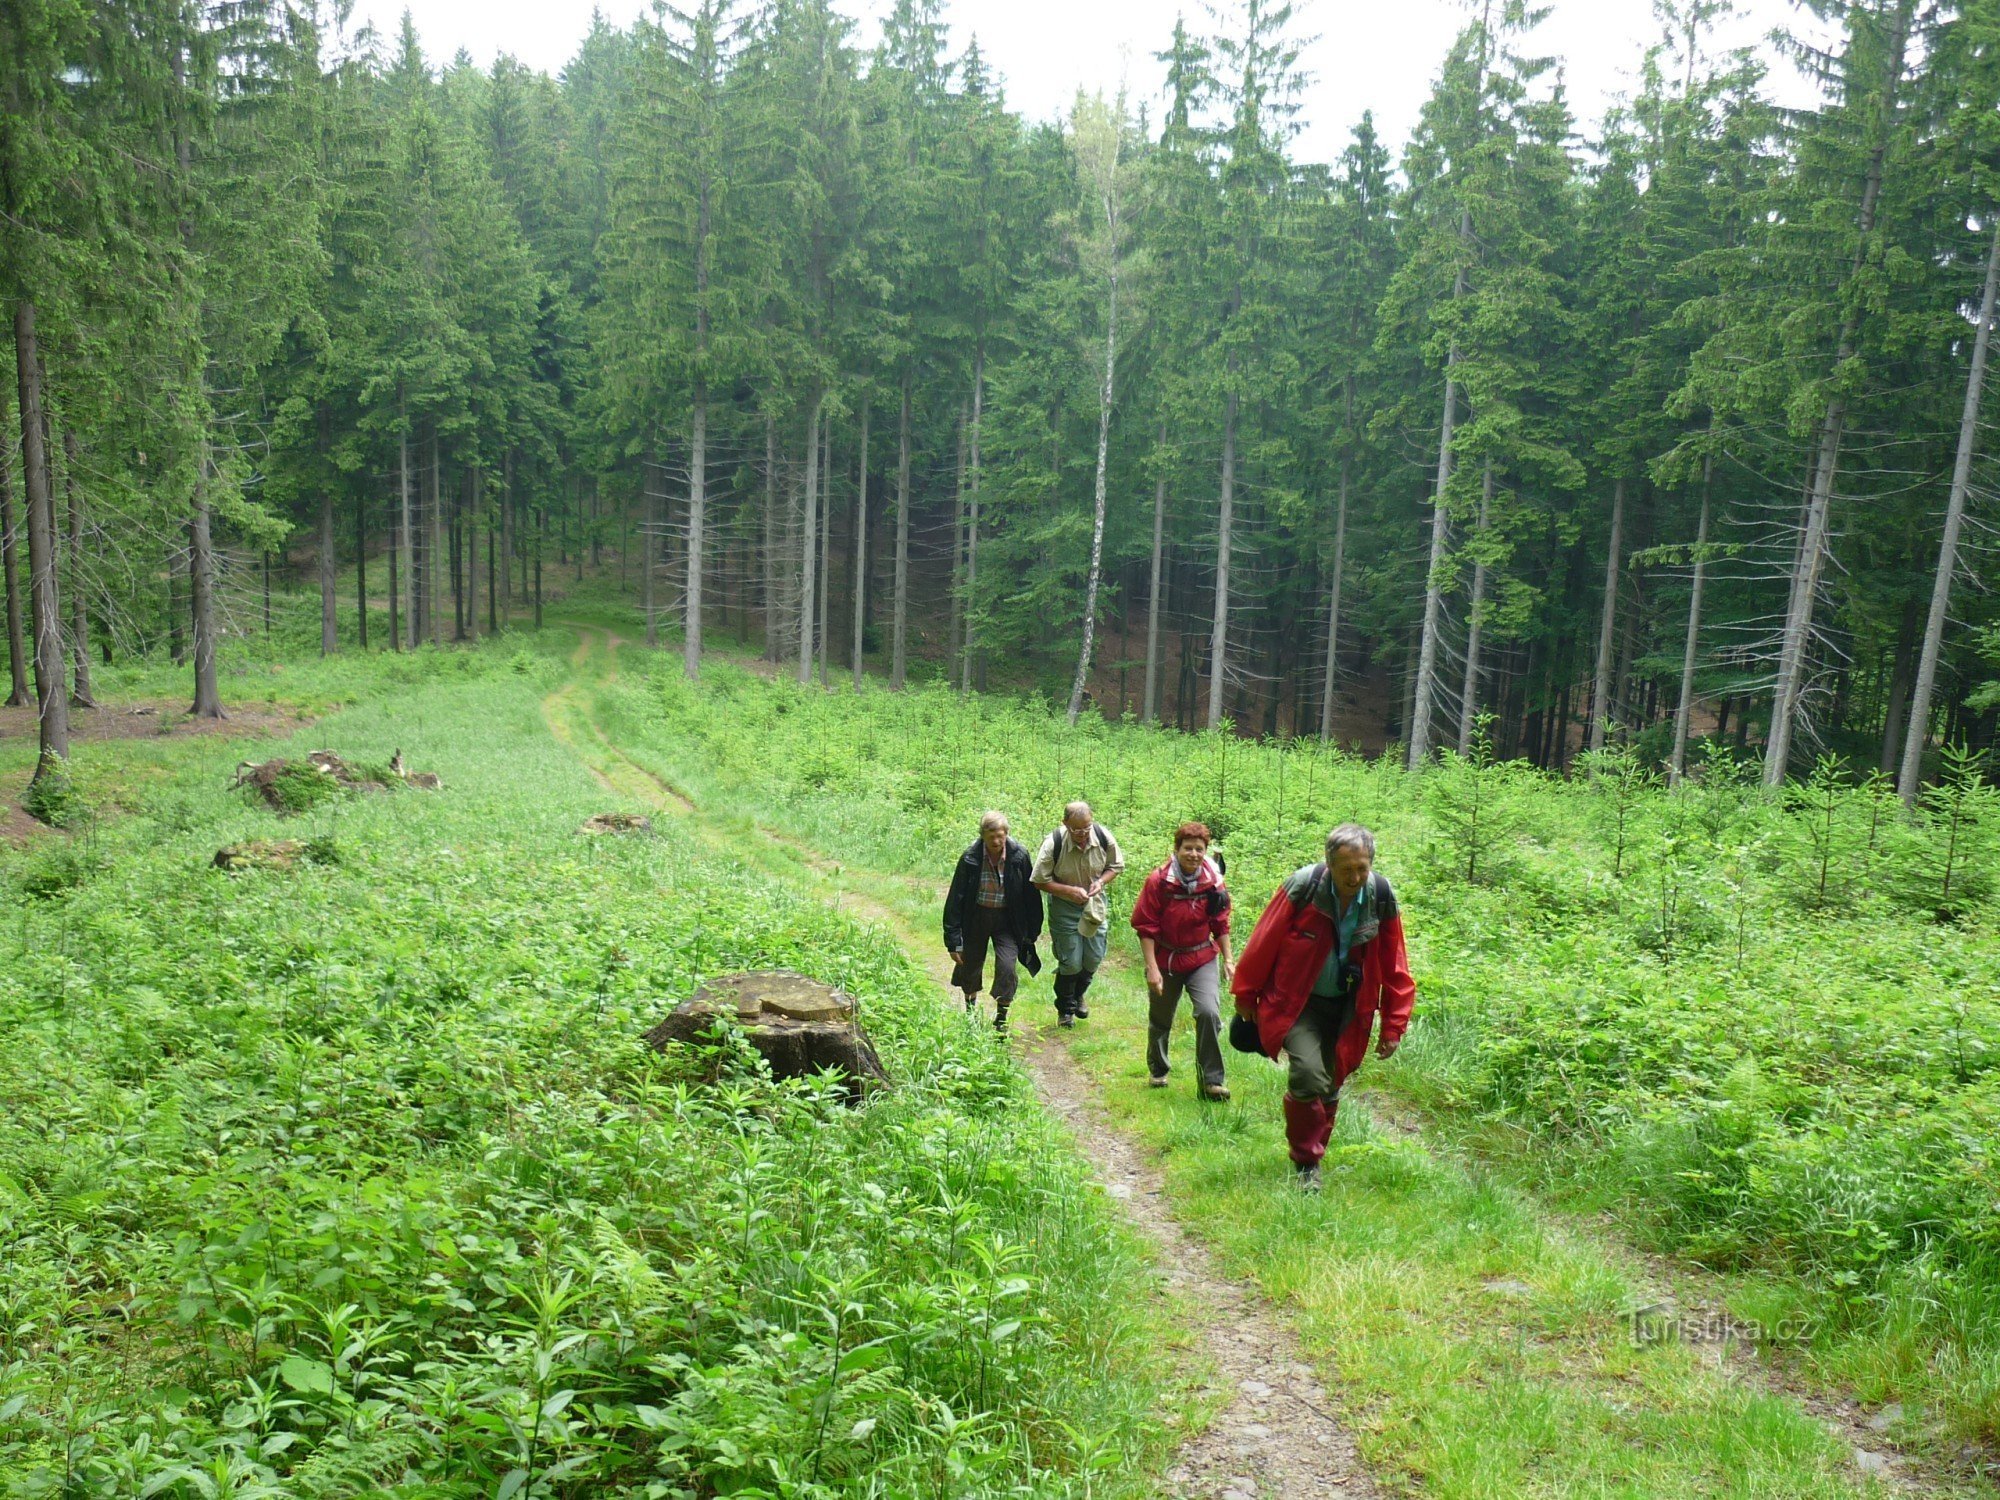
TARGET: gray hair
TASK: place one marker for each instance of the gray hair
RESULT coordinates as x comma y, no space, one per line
1076,810
988,821
1350,836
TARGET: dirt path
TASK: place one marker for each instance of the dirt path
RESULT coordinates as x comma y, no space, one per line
1276,1432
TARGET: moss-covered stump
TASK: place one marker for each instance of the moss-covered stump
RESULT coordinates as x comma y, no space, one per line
266,854
615,822
799,1025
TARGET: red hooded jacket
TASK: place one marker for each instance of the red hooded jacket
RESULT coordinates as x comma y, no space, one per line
1185,925
1283,959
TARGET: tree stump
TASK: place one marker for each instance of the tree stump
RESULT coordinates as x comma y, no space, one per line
617,822
799,1025
263,854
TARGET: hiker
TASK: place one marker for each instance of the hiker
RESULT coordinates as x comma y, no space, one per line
1182,918
1326,957
992,904
1076,865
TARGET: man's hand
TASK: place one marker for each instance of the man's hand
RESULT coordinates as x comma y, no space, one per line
1155,983
1386,1048
1076,895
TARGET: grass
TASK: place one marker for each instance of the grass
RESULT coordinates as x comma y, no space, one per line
356,1180
1550,1103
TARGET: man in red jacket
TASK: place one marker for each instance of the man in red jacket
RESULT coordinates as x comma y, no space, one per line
1182,918
1326,958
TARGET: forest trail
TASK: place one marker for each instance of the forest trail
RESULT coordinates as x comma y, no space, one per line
1274,1428
1275,1432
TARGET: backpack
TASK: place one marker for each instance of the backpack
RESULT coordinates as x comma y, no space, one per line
1103,839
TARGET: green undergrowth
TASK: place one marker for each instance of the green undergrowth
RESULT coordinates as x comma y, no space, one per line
356,1179
1763,1034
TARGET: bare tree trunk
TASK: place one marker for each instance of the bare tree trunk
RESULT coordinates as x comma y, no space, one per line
329,624
1332,674
1902,674
808,540
649,543
825,644
1152,697
898,643
79,609
861,549
505,595
1911,773
434,554
1468,698
770,539
475,491
1218,634
541,536
697,517
17,647
958,664
1796,648
361,570
1424,685
52,763
1600,699
1105,393
1427,650
974,672
201,572
1691,652
404,535
494,572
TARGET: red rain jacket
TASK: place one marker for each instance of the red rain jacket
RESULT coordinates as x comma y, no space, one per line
1280,964
1184,925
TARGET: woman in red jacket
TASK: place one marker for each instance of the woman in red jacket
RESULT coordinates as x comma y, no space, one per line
1326,958
1182,918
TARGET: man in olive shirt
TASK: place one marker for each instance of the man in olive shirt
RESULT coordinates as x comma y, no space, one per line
1076,865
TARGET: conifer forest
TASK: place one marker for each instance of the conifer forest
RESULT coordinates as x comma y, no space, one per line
493,557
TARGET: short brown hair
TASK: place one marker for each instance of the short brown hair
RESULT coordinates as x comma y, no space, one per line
1192,831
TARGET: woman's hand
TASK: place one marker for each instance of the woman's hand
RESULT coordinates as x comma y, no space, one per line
957,957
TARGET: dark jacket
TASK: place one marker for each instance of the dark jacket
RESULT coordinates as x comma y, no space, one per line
1024,902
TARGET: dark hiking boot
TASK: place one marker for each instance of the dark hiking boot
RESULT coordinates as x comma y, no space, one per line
1000,1020
1305,1176
1076,1006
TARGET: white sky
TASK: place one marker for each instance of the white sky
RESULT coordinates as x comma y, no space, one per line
1370,54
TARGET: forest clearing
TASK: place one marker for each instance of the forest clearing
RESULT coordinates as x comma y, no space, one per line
357,1179
528,587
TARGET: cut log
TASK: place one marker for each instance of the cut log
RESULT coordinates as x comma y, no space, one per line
798,1025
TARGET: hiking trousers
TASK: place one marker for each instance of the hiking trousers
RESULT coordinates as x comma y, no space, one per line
1075,953
1203,988
1312,1092
986,926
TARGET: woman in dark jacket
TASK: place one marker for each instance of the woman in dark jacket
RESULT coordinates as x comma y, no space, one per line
992,902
